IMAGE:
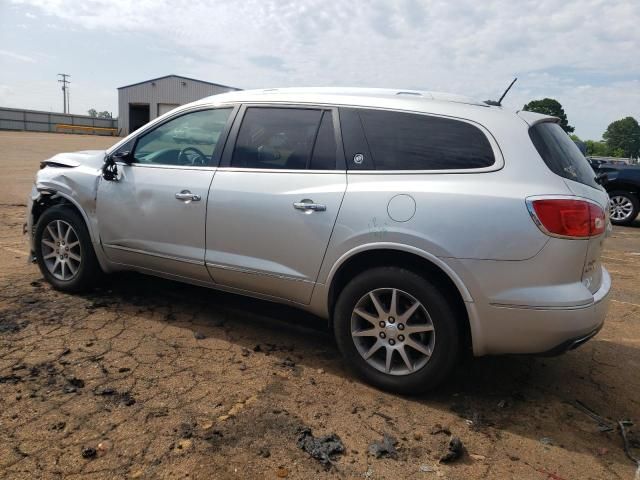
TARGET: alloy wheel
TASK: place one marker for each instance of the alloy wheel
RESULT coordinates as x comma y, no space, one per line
620,208
61,250
392,331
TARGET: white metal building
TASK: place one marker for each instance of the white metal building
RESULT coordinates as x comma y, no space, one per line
141,102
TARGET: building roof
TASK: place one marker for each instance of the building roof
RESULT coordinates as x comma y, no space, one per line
178,76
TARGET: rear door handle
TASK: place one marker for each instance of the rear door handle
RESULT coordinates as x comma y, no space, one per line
308,206
186,196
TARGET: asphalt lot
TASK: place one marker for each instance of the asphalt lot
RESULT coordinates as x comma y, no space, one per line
115,384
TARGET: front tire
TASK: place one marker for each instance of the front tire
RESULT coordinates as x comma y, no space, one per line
624,207
397,330
64,251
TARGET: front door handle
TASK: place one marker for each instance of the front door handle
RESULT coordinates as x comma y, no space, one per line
186,196
308,206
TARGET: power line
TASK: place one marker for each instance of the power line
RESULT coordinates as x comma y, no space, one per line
65,91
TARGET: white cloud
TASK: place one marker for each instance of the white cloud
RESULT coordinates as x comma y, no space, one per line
465,46
16,56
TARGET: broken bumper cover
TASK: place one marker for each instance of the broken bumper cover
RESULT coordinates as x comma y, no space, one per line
545,331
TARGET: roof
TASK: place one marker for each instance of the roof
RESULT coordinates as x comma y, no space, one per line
178,76
382,93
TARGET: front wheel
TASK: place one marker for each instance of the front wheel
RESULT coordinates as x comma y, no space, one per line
64,250
397,330
623,208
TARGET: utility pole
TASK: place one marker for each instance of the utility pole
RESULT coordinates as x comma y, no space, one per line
65,90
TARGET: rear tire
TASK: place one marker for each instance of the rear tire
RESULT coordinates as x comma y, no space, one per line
624,206
410,332
64,251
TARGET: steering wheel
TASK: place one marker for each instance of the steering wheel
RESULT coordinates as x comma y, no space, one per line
183,158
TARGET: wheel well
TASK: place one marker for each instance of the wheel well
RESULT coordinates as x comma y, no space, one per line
420,265
46,201
623,187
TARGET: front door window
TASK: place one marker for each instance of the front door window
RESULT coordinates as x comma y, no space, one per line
188,140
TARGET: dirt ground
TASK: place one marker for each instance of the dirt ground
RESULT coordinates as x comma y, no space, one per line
146,378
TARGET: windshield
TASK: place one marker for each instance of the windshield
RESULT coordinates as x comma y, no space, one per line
560,153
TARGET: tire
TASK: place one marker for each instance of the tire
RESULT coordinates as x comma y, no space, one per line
74,276
426,372
625,206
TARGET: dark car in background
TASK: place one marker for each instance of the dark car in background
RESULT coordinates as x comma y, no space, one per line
622,183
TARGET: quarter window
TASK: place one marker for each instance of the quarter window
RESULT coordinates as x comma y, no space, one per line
407,141
280,138
188,140
560,154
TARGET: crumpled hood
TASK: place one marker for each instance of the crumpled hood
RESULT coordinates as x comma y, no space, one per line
89,158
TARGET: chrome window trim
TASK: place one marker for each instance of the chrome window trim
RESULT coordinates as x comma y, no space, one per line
177,112
171,167
278,170
497,152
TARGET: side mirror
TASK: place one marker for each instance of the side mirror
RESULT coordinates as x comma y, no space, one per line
602,178
125,156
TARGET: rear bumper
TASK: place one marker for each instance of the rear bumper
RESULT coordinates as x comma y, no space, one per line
531,330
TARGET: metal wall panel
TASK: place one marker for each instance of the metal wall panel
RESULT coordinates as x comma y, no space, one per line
173,90
37,121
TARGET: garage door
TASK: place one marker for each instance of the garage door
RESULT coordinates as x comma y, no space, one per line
166,107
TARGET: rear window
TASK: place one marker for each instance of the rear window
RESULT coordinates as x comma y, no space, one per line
560,153
407,141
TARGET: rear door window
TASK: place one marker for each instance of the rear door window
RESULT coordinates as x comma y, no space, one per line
407,141
560,153
277,138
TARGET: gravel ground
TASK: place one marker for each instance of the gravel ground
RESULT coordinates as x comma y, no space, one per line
146,378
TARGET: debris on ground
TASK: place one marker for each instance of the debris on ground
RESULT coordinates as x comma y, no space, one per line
185,430
437,429
58,426
455,450
104,447
325,449
264,452
199,335
124,398
282,472
288,363
546,441
603,424
75,382
427,468
385,447
89,452
627,444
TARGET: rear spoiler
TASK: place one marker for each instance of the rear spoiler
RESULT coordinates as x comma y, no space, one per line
533,118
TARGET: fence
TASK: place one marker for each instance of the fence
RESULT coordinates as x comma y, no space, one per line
37,121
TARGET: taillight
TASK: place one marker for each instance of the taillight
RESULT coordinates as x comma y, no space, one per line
567,217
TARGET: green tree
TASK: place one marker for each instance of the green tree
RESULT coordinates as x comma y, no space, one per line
92,112
550,106
104,114
623,136
599,149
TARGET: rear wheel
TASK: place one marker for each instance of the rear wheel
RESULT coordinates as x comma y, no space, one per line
623,208
64,251
396,330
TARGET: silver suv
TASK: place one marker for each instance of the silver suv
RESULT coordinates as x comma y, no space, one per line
422,225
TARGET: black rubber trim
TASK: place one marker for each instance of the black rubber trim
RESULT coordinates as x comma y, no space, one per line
570,344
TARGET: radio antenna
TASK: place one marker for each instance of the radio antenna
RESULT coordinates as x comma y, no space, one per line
499,102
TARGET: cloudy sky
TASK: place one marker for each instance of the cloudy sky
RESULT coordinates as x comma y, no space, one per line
586,53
